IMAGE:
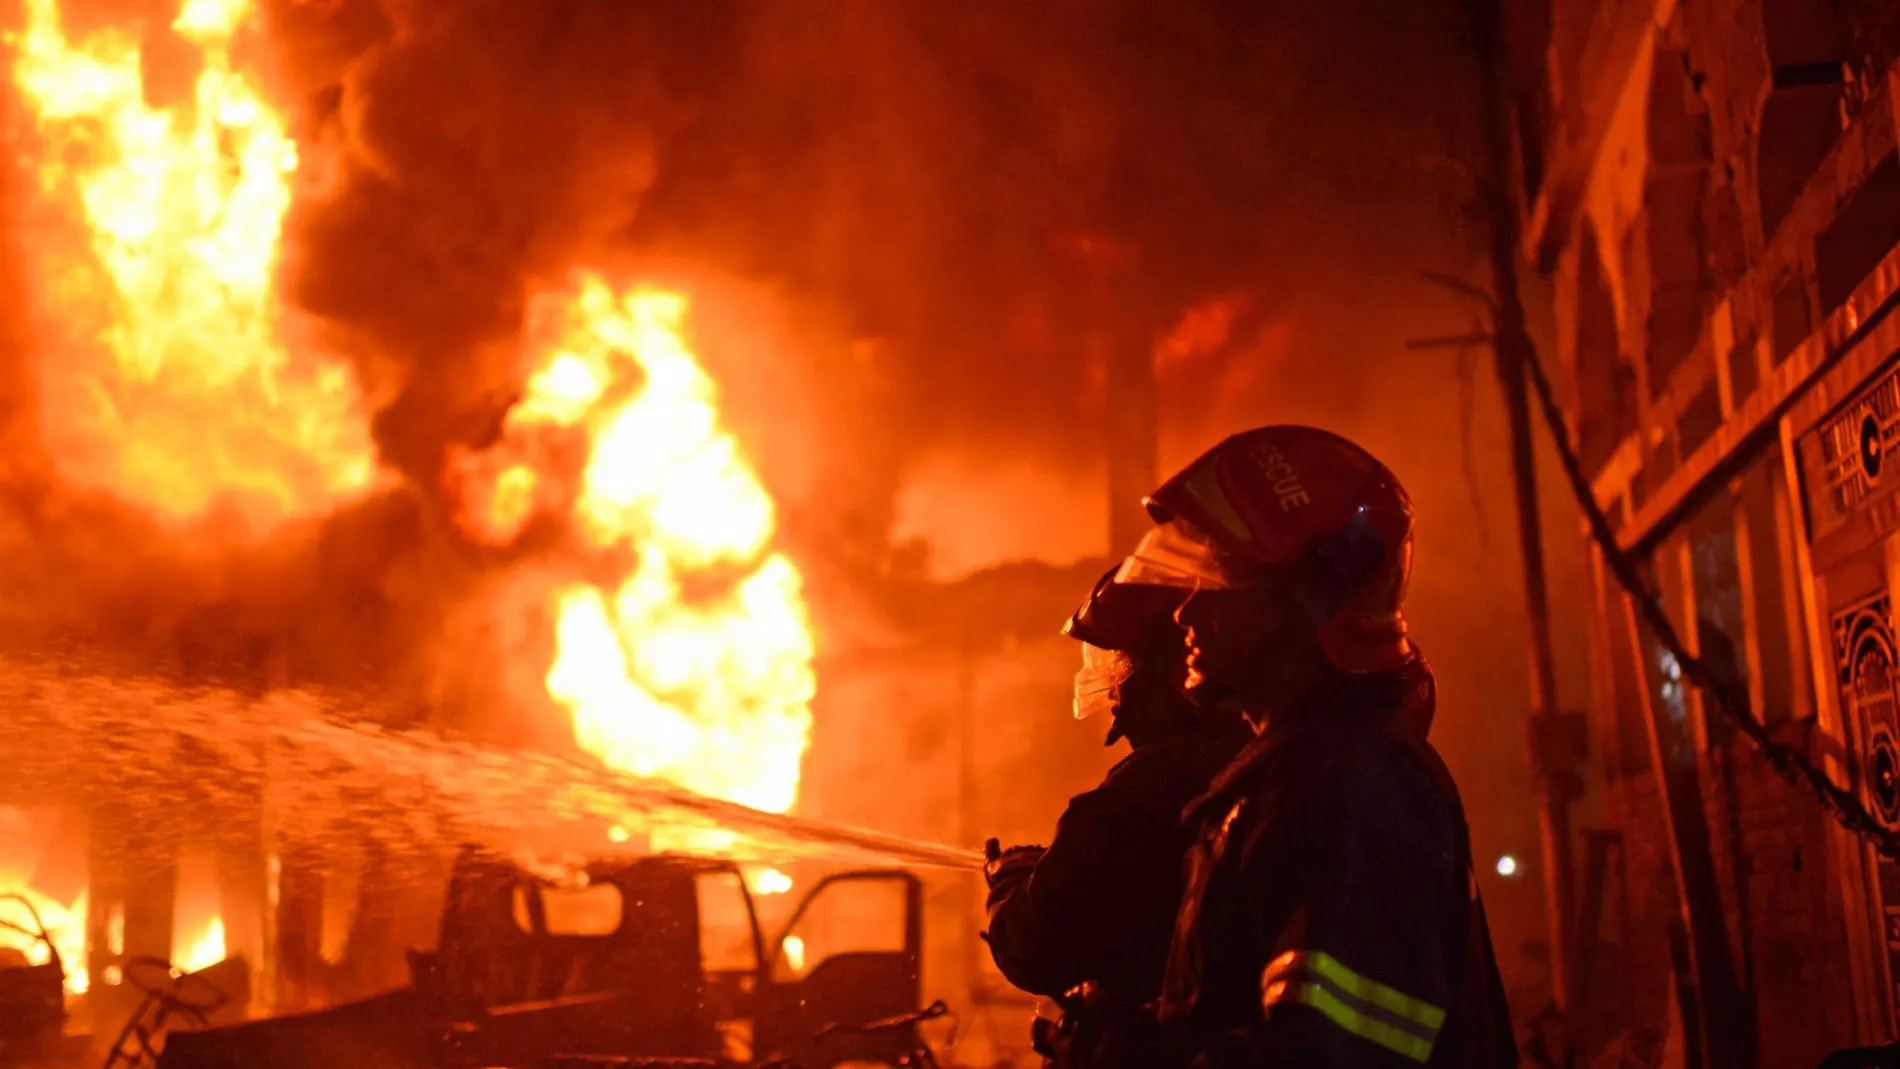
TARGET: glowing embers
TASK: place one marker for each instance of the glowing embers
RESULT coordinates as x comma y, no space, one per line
154,239
687,652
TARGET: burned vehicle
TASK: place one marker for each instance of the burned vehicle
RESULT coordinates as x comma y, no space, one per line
612,966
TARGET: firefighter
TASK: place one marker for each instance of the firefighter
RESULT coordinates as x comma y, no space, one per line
1087,921
1331,916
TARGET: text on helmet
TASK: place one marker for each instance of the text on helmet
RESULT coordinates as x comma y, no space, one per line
1279,471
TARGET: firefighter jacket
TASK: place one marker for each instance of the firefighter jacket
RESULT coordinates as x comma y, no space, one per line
1099,905
1332,915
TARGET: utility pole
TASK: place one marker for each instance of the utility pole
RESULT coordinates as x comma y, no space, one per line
1555,737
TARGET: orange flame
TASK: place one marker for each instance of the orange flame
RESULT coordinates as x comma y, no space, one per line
619,433
65,927
201,949
166,380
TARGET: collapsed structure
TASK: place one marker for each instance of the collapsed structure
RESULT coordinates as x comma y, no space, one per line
1715,191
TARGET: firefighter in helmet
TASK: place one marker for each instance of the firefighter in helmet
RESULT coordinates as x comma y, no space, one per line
1331,916
1087,921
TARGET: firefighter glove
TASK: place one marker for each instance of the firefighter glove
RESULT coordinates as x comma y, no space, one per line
1007,868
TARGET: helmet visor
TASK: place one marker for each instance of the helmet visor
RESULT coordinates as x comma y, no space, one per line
1099,681
1176,554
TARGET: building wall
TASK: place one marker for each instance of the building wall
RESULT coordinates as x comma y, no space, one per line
1635,987
1785,907
1730,173
1780,906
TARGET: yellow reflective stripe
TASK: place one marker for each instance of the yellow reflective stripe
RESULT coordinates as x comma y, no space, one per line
1360,987
1391,1037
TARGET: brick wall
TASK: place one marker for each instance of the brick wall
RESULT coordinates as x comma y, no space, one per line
1638,985
1781,905
1772,851
1742,141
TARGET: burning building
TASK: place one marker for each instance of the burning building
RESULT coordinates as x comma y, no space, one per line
399,391
257,491
1715,191
175,406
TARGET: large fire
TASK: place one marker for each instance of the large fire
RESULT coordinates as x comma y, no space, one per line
170,375
692,660
166,380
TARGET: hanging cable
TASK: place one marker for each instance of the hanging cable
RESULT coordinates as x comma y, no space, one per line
1839,802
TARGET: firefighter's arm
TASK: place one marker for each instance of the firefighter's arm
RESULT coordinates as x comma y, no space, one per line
1027,944
1115,850
1363,974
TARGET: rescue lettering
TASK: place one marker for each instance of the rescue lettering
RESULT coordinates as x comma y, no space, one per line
1279,471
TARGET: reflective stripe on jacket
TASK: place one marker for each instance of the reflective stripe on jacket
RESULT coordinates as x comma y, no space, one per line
1332,915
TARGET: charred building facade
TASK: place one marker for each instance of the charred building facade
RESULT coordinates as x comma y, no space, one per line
1714,190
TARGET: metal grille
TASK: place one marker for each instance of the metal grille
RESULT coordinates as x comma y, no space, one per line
1864,664
1854,450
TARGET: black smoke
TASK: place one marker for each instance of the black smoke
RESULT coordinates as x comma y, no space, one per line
968,193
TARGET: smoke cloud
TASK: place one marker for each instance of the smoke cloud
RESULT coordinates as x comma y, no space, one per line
467,150
971,189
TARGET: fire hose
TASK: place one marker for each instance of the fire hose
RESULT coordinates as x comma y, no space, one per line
313,769
895,847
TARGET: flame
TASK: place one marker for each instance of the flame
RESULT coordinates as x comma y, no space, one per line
170,385
202,950
65,925
693,660
771,882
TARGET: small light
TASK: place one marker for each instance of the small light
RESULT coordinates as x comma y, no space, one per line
1507,865
618,834
771,882
795,953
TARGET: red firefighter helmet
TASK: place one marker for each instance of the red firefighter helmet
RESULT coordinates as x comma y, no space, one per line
1299,511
